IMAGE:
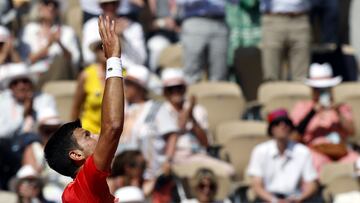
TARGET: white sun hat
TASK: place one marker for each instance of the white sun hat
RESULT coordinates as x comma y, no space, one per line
4,34
321,76
138,74
172,77
129,194
16,71
26,171
48,116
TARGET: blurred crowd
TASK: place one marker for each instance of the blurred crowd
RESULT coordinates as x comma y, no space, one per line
169,46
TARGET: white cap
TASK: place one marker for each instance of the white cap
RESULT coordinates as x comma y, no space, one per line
129,194
321,76
26,171
172,77
4,34
139,74
16,71
48,116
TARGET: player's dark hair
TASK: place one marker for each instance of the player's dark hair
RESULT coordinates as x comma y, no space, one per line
58,147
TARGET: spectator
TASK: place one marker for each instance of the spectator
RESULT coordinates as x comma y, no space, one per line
281,170
19,104
204,31
131,33
147,126
323,124
28,186
192,121
8,52
89,91
130,194
327,14
285,31
49,45
127,170
205,188
54,183
354,29
243,19
128,8
7,13
164,29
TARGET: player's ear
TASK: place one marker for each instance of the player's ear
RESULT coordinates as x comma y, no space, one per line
77,155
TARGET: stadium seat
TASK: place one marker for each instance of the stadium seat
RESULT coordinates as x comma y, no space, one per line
228,130
273,95
354,102
63,91
339,186
214,89
222,100
8,197
333,171
345,90
238,151
271,90
171,56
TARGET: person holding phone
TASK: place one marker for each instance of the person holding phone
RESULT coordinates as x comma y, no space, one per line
323,124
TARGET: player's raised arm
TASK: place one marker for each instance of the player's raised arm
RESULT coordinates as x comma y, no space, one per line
112,114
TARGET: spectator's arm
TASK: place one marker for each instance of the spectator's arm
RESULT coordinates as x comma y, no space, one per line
29,158
170,145
34,57
258,187
112,111
301,128
346,121
70,46
309,188
79,97
200,133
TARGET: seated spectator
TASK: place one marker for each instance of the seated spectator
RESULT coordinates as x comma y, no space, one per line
54,183
192,120
281,170
204,38
147,125
8,52
164,29
131,33
20,106
89,91
205,188
323,124
47,44
130,194
127,170
28,186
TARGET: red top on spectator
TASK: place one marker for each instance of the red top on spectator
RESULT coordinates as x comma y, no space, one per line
88,186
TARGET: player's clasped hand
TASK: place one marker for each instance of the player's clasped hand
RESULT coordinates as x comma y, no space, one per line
111,41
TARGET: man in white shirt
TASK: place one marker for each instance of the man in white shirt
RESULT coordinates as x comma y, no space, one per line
282,170
132,35
192,120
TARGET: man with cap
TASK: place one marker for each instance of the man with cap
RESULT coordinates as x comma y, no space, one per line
75,152
323,124
131,32
281,170
148,126
191,119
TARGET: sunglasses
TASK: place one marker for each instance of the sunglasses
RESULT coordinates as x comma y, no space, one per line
51,2
203,186
176,89
138,165
20,80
